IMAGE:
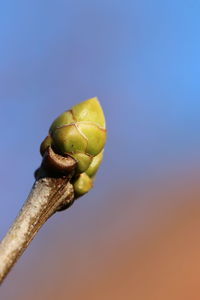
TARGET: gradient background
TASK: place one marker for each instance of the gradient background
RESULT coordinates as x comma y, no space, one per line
136,235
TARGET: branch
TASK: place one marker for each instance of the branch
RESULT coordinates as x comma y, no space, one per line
48,195
72,153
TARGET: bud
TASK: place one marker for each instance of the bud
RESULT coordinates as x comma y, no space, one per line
82,185
84,182
93,168
45,144
80,132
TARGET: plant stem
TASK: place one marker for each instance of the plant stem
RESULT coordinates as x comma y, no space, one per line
46,197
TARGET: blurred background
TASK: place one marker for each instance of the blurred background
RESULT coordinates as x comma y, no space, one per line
136,234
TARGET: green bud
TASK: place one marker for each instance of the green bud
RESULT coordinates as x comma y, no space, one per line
89,111
91,171
67,139
83,161
82,185
45,144
96,137
80,133
63,119
84,182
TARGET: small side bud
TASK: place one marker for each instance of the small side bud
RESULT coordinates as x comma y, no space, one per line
45,144
94,166
82,185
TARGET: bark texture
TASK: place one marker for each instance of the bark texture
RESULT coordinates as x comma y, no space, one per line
48,195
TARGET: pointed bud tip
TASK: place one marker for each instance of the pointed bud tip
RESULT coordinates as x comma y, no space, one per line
94,102
93,99
89,110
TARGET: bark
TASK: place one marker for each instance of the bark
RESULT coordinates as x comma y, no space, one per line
47,195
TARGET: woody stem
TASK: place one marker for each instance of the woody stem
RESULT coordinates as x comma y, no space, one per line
47,195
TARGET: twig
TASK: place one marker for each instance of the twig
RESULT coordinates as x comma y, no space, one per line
73,150
48,195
